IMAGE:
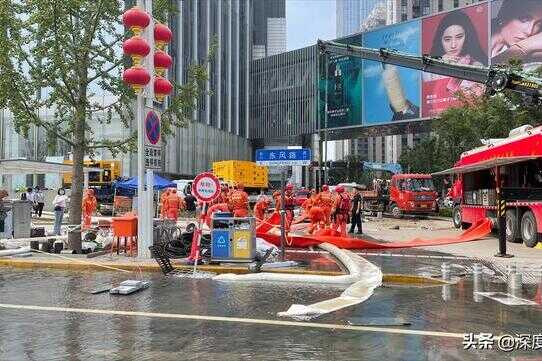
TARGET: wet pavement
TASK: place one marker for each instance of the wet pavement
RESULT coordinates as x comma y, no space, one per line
72,332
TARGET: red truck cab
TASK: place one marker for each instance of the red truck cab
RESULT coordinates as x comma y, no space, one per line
412,193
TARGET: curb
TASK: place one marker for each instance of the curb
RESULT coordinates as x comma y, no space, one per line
400,279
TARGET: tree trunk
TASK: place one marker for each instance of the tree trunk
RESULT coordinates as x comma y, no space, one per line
76,198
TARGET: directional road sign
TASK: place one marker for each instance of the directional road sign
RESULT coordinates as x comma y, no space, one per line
283,157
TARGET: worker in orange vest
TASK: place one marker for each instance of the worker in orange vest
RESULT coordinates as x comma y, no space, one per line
289,202
239,201
163,203
173,205
326,202
309,202
260,209
342,207
89,206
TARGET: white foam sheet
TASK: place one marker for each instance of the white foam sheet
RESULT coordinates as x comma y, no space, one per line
362,278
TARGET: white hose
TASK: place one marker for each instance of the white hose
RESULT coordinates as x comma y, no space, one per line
12,252
363,277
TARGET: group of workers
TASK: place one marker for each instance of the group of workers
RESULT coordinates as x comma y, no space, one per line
324,210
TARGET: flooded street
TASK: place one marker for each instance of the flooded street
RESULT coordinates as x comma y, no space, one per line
229,328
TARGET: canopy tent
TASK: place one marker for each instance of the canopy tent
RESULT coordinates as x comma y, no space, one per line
159,183
488,164
25,166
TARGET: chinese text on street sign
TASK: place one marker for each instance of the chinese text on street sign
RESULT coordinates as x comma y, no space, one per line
206,187
283,157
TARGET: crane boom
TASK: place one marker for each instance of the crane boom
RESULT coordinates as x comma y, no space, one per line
496,78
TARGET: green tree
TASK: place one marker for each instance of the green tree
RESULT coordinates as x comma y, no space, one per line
462,128
60,55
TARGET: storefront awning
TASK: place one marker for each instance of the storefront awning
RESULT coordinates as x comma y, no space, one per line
25,166
488,164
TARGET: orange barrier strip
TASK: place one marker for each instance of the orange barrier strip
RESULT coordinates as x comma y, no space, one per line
475,232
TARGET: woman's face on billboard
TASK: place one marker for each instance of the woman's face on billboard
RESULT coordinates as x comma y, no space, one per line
453,40
522,27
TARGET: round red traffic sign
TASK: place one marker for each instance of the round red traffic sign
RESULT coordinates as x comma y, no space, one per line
206,187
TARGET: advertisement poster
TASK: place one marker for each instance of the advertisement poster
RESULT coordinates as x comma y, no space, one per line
516,32
459,36
393,93
343,83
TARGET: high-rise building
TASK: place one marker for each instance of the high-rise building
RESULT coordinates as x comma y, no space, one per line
402,10
269,28
350,14
219,129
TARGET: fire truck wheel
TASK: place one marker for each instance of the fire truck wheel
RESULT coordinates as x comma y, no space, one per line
456,216
529,232
512,227
395,211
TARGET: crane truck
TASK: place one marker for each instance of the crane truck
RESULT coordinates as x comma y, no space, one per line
503,173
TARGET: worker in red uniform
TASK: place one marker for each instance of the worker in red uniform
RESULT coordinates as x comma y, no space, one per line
289,203
239,201
342,207
309,202
277,198
89,206
326,202
223,196
260,209
163,203
173,205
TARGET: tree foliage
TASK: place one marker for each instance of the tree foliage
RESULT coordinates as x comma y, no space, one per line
65,56
462,128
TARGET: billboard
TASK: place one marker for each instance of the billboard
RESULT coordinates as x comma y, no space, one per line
516,32
459,36
392,93
341,88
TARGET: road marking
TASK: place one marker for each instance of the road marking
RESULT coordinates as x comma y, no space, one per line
254,321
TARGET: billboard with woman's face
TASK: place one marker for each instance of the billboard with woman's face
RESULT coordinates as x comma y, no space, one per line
341,88
516,32
392,93
460,37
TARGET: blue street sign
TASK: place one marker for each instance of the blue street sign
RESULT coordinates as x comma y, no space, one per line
283,157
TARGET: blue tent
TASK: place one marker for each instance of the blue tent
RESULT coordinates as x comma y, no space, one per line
159,183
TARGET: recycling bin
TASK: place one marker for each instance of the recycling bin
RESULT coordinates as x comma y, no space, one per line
233,239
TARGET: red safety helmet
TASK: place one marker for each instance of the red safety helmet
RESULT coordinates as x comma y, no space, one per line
339,189
325,188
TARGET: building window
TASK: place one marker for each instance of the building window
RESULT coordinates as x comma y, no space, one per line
440,5
456,3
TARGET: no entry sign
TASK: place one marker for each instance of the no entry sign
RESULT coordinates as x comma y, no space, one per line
206,187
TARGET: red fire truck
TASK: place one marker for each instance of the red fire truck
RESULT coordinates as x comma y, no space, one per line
508,169
407,194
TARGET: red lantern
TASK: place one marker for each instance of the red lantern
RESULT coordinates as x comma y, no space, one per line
162,88
136,77
162,35
136,19
162,61
137,48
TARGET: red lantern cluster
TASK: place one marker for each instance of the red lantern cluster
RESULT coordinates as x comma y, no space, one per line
137,48
162,61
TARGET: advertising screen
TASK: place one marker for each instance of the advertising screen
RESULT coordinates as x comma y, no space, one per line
459,36
341,88
516,32
391,93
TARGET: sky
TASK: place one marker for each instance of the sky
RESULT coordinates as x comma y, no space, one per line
309,20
